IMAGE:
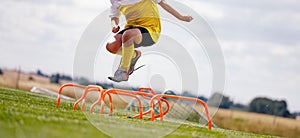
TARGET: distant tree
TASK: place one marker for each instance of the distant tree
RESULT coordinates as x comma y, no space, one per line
55,78
261,105
1,72
40,73
238,106
295,114
280,108
188,94
82,81
202,98
268,106
66,77
219,100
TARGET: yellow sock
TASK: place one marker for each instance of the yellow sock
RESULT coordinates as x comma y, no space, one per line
127,54
134,54
120,53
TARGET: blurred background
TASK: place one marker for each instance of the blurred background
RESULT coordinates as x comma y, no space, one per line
259,39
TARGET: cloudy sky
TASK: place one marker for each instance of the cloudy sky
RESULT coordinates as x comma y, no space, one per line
260,40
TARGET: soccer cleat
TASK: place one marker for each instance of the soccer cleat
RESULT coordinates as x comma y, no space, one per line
120,75
133,61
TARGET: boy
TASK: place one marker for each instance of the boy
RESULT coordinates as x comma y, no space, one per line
143,28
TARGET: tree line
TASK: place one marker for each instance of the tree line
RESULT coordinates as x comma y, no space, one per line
55,78
261,105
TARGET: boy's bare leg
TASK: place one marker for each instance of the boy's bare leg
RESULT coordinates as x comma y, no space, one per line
115,47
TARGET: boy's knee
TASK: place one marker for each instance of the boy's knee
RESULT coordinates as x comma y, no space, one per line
110,48
132,35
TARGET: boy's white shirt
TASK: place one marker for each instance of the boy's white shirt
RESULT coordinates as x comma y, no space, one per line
114,11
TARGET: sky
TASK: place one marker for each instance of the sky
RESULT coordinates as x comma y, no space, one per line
260,40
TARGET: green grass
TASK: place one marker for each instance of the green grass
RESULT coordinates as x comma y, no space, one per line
24,114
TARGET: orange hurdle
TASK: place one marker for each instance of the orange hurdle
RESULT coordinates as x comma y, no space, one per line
131,94
99,101
114,91
179,98
67,85
83,97
152,96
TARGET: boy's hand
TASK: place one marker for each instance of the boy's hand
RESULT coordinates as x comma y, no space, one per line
115,24
115,29
186,18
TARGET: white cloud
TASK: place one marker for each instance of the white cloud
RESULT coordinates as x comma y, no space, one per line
258,21
206,9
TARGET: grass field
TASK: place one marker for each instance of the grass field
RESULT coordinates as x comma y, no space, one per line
24,114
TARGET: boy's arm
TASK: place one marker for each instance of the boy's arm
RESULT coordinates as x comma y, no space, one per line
114,16
172,11
115,24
